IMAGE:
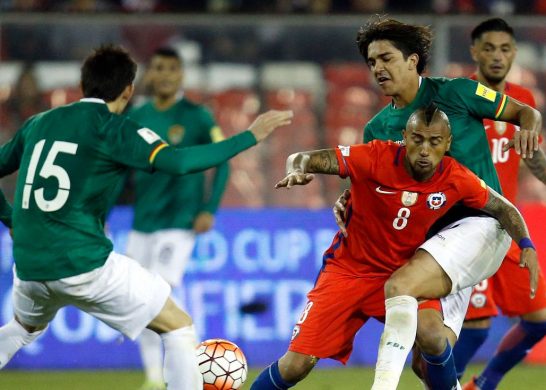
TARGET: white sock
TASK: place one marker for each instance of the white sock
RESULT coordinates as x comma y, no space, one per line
181,370
151,353
13,337
396,341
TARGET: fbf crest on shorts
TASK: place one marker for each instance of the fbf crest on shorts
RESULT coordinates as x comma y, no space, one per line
436,200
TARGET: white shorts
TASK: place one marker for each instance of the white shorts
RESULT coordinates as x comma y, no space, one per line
121,294
469,250
165,252
454,308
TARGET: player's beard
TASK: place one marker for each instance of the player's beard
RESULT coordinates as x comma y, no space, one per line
419,173
492,80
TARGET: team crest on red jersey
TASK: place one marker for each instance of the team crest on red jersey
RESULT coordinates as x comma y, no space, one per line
500,127
436,200
409,198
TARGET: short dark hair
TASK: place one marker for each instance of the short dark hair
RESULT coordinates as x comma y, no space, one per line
107,72
493,24
167,52
430,113
407,38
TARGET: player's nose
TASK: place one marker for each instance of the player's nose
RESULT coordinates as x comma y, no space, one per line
424,151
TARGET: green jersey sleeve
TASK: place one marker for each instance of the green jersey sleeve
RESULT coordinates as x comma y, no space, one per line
5,211
11,152
134,146
201,157
468,96
10,160
368,133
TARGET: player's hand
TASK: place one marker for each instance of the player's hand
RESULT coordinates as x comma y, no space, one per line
340,211
203,222
295,178
525,143
528,258
269,121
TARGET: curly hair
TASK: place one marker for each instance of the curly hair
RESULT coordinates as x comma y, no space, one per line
408,38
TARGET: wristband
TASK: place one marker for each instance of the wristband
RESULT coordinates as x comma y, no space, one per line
526,242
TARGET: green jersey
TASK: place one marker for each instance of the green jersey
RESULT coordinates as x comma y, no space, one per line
70,162
466,103
164,201
5,211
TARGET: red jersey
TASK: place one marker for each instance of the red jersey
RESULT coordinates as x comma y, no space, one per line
390,212
498,134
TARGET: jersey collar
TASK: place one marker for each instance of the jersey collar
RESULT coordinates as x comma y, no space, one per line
92,100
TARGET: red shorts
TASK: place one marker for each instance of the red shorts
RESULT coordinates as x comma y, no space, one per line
508,289
338,306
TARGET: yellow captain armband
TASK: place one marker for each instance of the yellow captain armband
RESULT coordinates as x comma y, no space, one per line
486,93
156,150
216,134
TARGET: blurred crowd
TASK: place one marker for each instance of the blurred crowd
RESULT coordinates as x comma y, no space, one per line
335,116
240,70
281,6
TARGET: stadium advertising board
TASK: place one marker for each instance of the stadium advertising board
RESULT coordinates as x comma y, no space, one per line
247,282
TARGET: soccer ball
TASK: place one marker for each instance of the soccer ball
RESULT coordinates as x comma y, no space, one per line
222,364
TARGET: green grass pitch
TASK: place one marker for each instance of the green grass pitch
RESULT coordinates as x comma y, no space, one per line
523,377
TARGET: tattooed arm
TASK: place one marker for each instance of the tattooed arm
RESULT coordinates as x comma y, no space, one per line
301,166
537,165
511,220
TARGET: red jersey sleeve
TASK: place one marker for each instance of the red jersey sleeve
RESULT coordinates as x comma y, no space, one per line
472,190
523,95
355,161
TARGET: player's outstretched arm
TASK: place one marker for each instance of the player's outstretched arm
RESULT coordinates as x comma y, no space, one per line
511,220
300,167
199,158
525,141
269,121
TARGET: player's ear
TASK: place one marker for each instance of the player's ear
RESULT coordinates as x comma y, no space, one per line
128,92
474,52
449,143
413,60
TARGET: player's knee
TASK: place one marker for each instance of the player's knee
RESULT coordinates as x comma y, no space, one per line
170,318
397,285
295,367
431,335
